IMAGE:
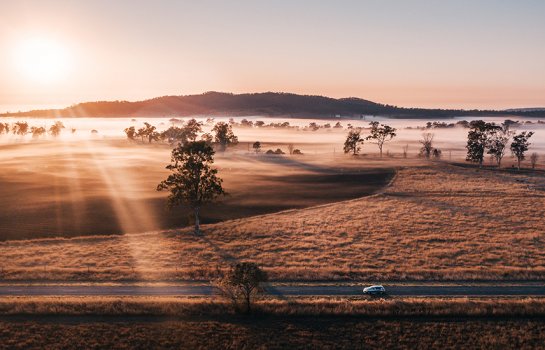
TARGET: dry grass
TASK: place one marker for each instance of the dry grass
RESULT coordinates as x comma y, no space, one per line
307,333
300,306
436,222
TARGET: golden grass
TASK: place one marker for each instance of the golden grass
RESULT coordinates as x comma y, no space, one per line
307,333
295,306
434,222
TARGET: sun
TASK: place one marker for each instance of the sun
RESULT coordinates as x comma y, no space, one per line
41,60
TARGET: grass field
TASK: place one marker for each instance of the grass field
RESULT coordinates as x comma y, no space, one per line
299,333
434,222
102,187
299,323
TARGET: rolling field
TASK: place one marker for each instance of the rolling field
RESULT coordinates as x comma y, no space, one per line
434,222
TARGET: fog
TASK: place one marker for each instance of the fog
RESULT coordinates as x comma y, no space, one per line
86,183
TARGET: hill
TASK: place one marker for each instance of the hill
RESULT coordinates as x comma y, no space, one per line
263,104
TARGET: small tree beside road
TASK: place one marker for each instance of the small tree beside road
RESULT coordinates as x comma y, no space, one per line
241,284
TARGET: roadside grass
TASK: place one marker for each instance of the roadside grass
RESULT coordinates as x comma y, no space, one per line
292,306
437,222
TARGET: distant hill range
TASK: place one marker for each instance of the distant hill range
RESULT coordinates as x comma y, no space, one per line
258,104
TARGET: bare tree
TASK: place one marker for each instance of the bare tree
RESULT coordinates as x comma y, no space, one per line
427,144
534,157
405,151
290,148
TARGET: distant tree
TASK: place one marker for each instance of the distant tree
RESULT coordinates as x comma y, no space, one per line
246,123
56,128
257,147
437,153
297,152
520,145
192,129
290,148
4,128
20,128
478,140
405,151
207,138
534,157
313,126
353,142
224,135
427,144
241,283
150,132
131,133
193,181
73,130
259,123
380,134
338,125
497,140
37,131
94,131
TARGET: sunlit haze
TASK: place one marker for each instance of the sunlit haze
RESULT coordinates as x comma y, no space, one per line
466,54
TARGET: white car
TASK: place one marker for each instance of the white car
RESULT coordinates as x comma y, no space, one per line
374,290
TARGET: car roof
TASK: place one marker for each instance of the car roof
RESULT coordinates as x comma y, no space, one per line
376,286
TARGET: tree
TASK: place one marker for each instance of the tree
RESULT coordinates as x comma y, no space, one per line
497,142
37,131
520,145
192,129
338,125
224,135
193,182
56,128
353,142
534,157
290,148
241,283
381,133
131,133
4,128
20,128
257,147
405,151
478,140
427,144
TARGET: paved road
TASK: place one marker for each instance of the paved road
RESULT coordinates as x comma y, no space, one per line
293,290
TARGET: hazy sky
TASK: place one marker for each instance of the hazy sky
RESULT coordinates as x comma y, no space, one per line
477,53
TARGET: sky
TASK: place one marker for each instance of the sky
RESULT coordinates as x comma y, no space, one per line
413,53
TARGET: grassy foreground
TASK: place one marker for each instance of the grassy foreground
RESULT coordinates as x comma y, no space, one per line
299,323
306,333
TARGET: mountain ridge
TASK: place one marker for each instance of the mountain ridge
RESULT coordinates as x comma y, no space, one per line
271,104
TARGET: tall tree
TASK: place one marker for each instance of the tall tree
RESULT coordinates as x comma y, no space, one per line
520,145
224,136
497,142
478,140
534,157
381,133
193,182
353,142
131,133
